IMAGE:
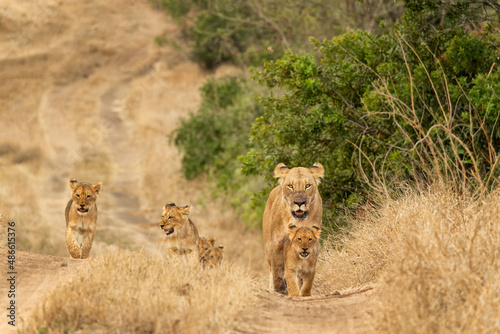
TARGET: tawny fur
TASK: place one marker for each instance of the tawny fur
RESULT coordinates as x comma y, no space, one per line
297,193
300,270
204,245
182,235
81,218
213,256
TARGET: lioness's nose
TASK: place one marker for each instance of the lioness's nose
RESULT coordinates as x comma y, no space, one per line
304,249
299,202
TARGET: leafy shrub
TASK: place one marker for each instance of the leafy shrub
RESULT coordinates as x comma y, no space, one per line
217,133
405,104
251,32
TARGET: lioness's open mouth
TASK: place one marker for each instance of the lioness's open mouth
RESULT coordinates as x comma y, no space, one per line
169,231
304,254
299,214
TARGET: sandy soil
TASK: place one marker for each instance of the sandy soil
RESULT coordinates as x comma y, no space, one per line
85,86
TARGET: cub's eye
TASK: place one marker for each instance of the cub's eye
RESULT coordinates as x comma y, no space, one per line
308,186
88,196
77,196
299,239
290,186
212,257
310,239
170,217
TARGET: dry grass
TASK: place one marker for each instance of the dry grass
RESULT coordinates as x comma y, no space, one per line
129,292
436,256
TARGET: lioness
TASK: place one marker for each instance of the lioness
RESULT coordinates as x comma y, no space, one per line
301,253
81,218
296,199
182,235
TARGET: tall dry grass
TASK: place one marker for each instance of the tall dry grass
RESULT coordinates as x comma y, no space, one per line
435,256
130,292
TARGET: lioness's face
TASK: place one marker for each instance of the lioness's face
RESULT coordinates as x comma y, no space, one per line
173,218
84,195
303,239
300,187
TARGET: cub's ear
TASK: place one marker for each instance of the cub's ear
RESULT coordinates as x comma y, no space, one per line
169,204
73,183
317,171
316,231
211,241
281,170
221,248
185,210
97,188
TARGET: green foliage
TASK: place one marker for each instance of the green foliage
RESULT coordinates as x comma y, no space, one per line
251,32
211,138
419,102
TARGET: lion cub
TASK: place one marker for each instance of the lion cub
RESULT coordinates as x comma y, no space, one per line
301,253
213,257
81,218
204,245
182,235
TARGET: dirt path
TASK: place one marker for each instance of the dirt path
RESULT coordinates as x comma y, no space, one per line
345,313
97,98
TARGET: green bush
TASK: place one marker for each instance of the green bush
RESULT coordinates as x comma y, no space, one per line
216,134
252,32
419,102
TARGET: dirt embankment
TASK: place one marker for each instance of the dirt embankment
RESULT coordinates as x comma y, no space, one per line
86,93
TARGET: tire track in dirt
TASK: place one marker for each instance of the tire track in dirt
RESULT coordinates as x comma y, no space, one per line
349,312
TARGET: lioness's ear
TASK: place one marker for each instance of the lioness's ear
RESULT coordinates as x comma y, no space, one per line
97,188
73,183
185,210
281,170
291,230
317,171
169,204
316,231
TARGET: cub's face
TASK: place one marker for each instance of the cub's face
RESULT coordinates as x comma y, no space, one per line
173,218
84,195
204,245
299,187
303,239
213,256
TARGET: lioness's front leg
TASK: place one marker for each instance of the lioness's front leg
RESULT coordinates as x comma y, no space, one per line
277,270
307,284
88,238
291,283
73,247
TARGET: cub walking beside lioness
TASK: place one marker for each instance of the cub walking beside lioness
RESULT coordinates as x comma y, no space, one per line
81,218
301,254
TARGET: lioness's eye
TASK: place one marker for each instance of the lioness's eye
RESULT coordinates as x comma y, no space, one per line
308,186
170,217
88,196
310,239
77,196
299,239
290,186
